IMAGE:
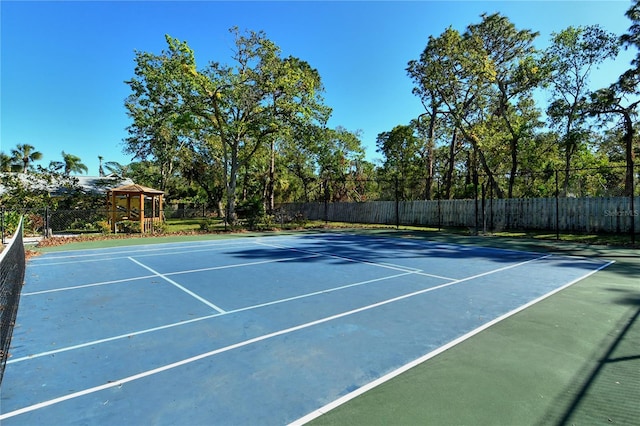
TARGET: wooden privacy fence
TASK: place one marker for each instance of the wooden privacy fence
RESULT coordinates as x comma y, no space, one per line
589,214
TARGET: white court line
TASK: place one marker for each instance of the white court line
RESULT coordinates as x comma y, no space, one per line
180,323
212,268
348,397
77,287
122,381
186,290
126,255
365,262
240,265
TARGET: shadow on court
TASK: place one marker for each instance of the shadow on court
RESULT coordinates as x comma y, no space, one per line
613,381
348,248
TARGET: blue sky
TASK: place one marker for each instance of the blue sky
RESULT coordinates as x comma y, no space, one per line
63,64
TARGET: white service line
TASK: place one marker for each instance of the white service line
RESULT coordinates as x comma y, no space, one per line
241,265
122,381
365,262
126,255
77,287
186,290
211,268
140,249
180,323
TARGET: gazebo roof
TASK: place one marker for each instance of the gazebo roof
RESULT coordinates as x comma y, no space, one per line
136,189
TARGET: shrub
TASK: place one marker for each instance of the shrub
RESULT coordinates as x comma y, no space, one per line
103,226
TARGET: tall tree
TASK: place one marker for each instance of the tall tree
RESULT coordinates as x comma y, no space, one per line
250,102
573,54
158,107
514,69
621,98
26,154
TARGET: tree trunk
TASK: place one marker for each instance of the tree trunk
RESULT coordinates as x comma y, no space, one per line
452,161
271,179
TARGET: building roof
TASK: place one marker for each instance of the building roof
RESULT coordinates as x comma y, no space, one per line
96,185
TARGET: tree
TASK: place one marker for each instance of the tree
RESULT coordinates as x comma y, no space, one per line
70,164
448,78
158,107
481,82
402,151
620,98
338,155
514,69
117,168
6,162
26,154
250,102
573,54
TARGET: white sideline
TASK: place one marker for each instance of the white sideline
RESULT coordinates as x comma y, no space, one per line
348,397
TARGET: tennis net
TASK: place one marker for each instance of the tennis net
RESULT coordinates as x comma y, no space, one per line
12,268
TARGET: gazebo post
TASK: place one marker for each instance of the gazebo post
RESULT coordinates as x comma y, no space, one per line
142,230
153,212
113,211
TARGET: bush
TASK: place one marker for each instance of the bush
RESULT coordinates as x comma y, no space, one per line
131,227
251,211
11,221
208,225
103,226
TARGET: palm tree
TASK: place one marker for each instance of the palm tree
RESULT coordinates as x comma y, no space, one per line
117,168
26,154
73,163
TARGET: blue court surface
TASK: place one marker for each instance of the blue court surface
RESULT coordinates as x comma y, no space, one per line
262,330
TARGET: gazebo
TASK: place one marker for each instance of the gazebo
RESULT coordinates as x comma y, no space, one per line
130,204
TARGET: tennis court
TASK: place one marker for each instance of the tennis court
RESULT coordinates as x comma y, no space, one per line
265,330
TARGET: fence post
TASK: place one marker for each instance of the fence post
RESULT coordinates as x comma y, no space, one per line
475,190
632,216
326,201
397,203
484,208
439,209
2,224
45,231
557,208
491,223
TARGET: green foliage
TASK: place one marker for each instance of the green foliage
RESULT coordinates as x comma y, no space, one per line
131,227
11,221
251,211
103,226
